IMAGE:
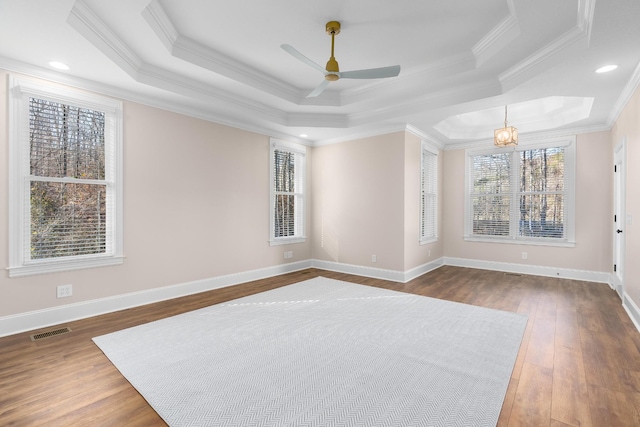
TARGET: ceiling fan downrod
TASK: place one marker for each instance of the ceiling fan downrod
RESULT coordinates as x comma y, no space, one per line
333,29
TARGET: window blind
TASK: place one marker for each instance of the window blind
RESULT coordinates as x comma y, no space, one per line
490,194
542,193
284,188
429,186
68,191
288,193
519,194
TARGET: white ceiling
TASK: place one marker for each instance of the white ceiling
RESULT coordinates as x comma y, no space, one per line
462,61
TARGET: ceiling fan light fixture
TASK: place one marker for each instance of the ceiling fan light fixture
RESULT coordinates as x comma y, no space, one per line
506,136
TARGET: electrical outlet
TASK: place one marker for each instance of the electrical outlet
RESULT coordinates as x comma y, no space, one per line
374,258
524,255
288,254
429,254
64,291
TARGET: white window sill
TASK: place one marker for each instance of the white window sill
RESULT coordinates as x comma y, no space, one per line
287,240
429,240
43,267
563,243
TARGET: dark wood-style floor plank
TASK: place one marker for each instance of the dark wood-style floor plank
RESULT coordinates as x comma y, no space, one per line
578,365
570,395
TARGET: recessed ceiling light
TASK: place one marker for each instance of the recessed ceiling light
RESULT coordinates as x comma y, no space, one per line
606,68
59,65
303,135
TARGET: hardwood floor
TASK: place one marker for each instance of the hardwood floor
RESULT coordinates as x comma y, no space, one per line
578,365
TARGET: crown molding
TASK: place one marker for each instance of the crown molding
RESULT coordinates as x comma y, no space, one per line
520,72
500,36
195,53
579,33
317,120
91,27
586,12
424,136
384,129
160,24
365,132
219,117
215,98
415,81
486,88
626,94
529,138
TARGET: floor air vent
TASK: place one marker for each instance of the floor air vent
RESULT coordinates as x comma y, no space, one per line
47,334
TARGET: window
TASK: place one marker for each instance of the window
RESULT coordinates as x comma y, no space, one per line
429,195
65,179
524,194
287,166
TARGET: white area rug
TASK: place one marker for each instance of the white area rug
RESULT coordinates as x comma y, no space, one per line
323,353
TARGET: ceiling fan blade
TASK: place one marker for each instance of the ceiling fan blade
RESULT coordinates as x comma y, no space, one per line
293,52
318,90
371,73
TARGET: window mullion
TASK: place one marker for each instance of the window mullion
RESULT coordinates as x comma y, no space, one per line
67,180
514,223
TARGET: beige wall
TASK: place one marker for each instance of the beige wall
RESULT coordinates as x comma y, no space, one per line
357,189
196,206
593,214
628,126
366,199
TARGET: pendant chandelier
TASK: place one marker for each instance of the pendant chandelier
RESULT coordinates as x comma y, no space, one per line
506,136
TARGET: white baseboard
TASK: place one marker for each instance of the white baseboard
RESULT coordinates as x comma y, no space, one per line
359,270
38,319
535,270
632,310
422,269
378,273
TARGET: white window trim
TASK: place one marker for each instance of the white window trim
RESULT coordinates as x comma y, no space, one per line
569,142
20,90
425,146
276,144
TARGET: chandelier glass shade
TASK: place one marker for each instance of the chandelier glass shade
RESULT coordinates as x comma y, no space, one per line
506,136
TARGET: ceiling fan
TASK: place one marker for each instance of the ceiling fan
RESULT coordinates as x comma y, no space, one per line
332,72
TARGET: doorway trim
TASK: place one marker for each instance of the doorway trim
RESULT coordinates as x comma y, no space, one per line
619,211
